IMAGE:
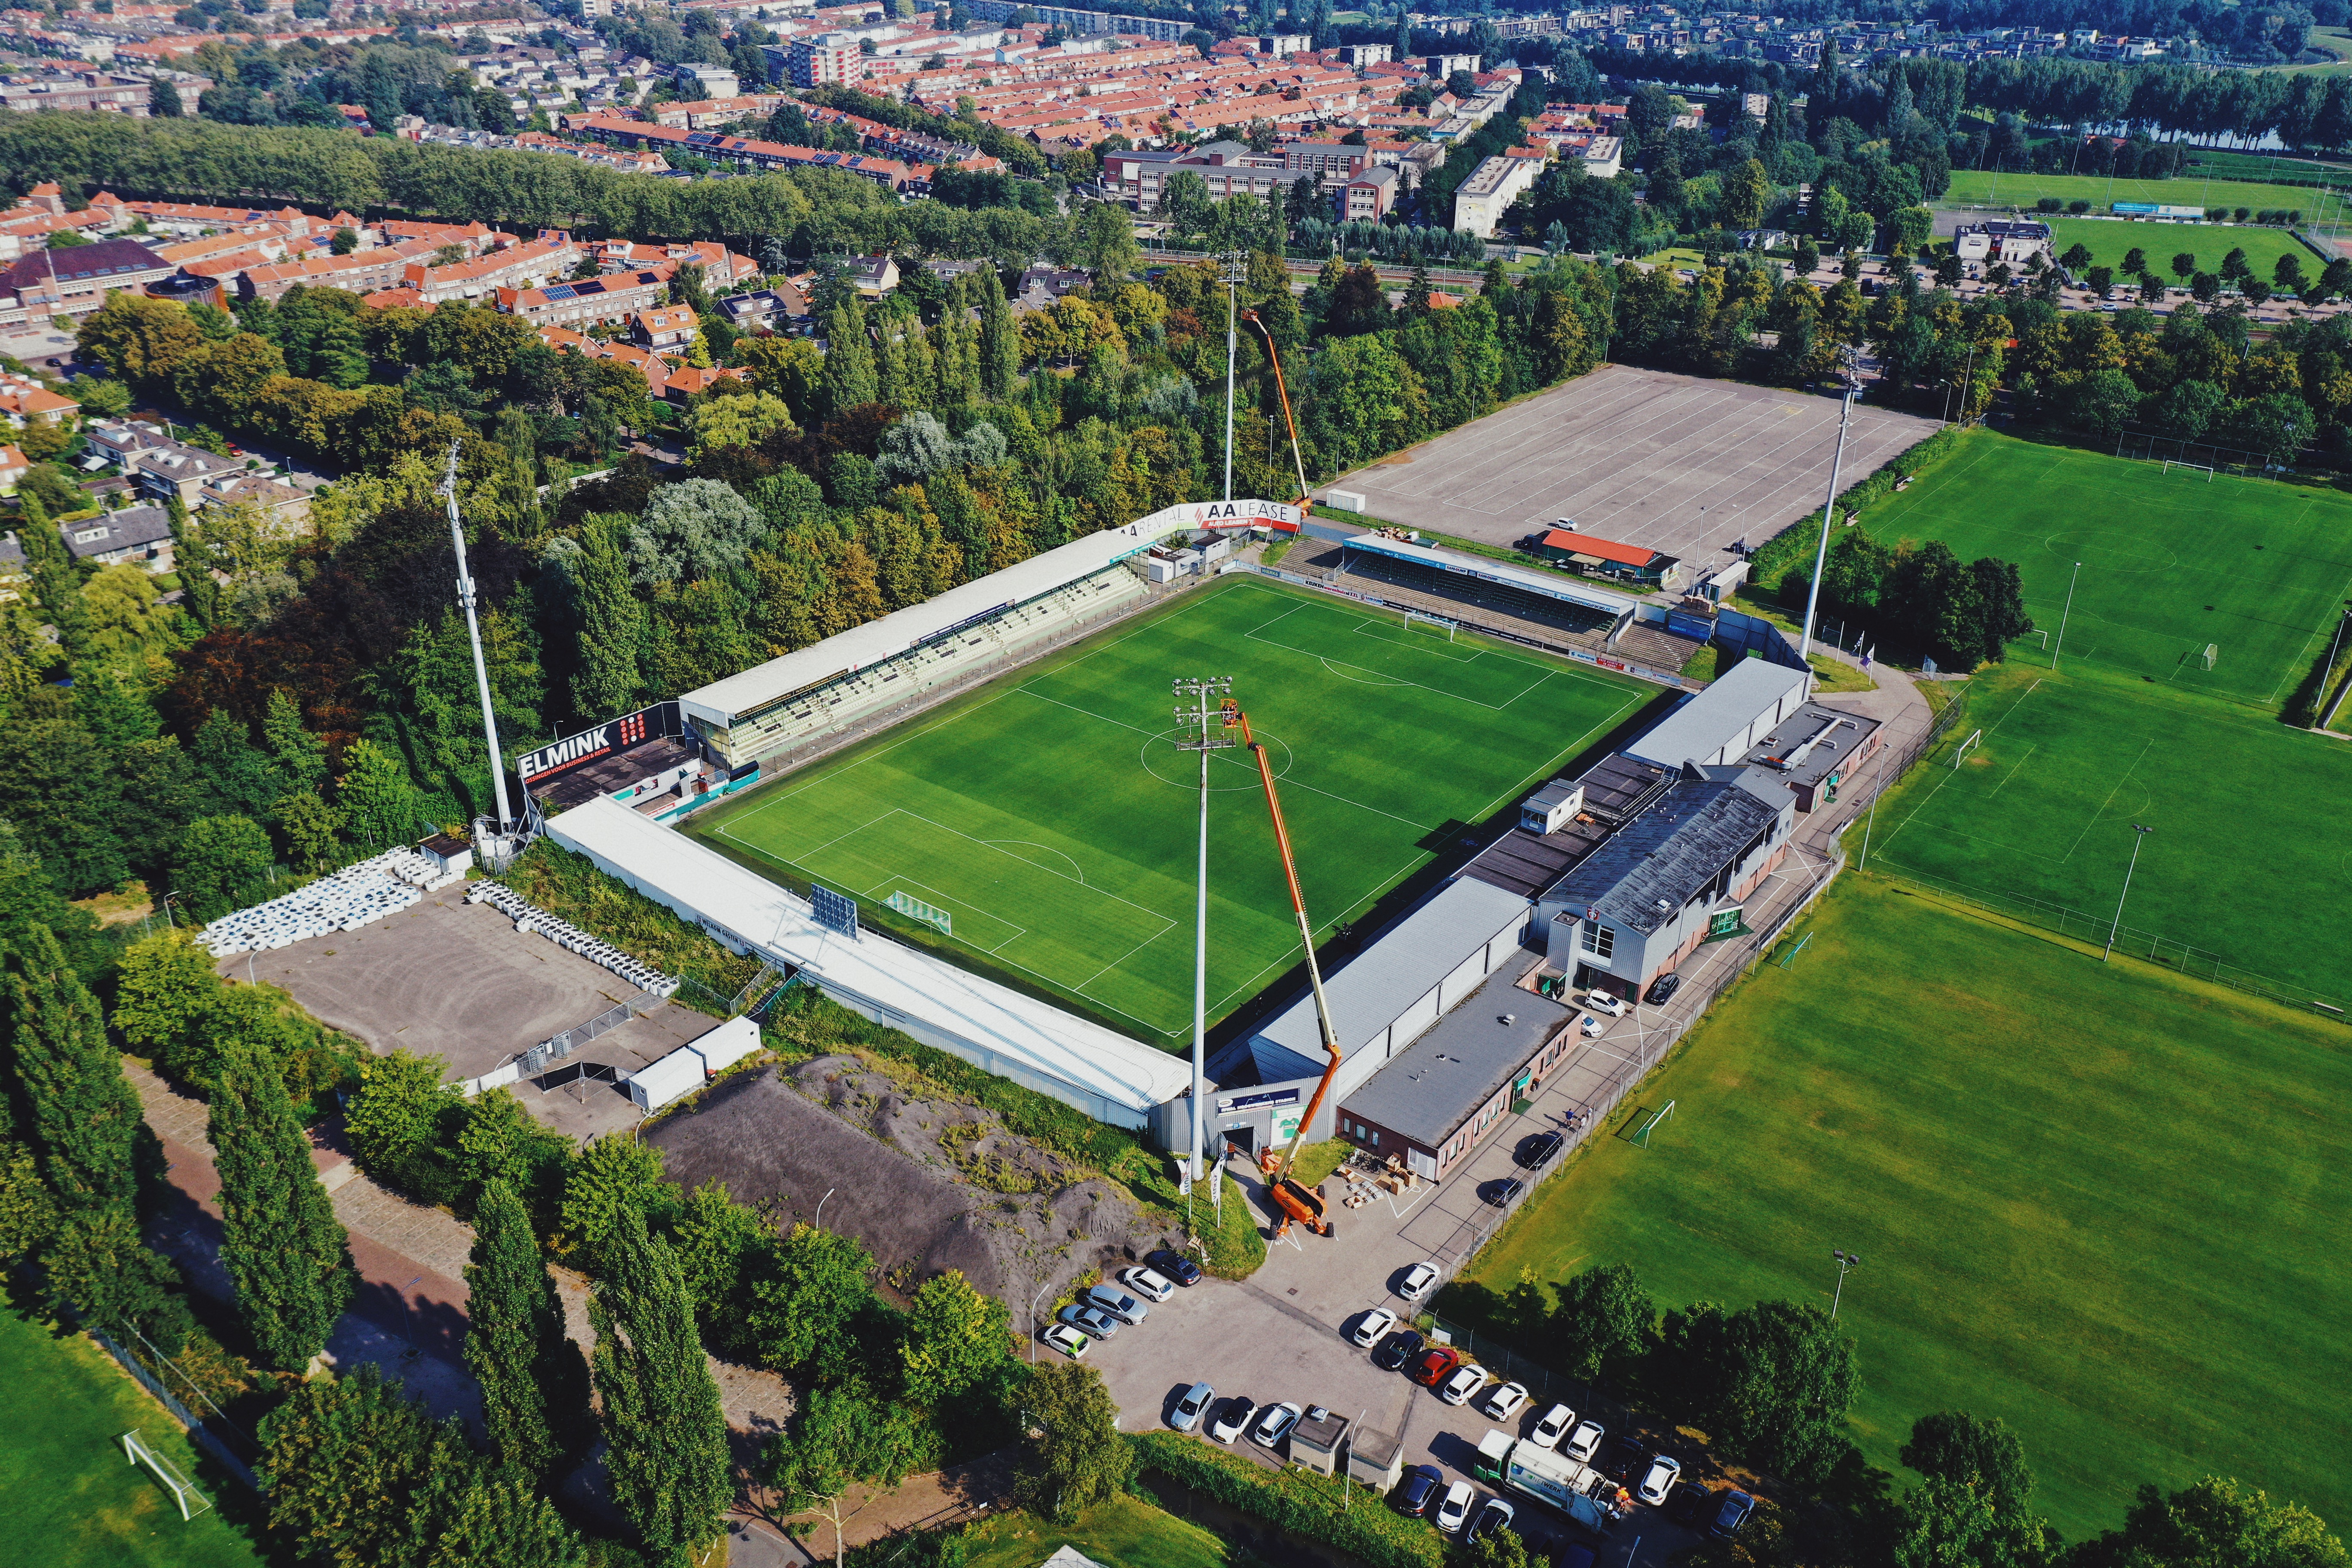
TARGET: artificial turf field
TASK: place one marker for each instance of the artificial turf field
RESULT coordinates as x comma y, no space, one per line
1980,187
72,1498
1050,816
2108,241
2099,1201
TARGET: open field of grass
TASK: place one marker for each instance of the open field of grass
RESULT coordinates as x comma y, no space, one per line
1125,1532
2043,807
1050,814
2109,240
2099,1201
1979,187
2171,561
73,1499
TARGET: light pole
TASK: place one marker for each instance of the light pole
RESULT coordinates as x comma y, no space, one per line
1829,509
820,1206
1846,1262
1233,265
2138,833
1039,1296
1199,729
2069,610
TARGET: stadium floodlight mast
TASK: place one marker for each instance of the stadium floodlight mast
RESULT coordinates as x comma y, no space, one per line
1203,724
2138,834
474,631
1233,266
1828,510
1846,1261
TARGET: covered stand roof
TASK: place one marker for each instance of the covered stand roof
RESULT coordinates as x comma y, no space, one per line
1548,584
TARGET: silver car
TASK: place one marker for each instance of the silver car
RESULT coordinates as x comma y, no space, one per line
1186,1416
1115,1302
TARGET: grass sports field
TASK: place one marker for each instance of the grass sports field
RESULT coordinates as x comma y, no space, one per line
73,1499
2171,561
2100,1201
2109,240
1051,818
1978,187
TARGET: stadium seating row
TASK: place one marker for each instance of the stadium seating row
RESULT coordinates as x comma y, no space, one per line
529,917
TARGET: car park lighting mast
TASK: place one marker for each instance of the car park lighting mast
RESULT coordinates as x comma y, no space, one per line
1296,1200
1829,509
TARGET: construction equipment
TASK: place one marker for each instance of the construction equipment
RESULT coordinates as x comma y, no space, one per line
1296,1200
1297,463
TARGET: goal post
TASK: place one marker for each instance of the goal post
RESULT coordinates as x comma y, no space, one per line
916,908
2204,468
184,1491
1974,736
1434,623
1651,1124
2212,652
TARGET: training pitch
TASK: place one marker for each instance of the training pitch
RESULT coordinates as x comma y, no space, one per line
2170,563
1680,464
2110,241
2098,1200
1976,187
1051,819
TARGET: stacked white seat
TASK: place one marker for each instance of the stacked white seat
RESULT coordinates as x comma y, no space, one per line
529,917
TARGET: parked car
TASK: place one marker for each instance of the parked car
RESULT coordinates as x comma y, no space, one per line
1455,1508
1419,1281
1502,1192
1736,1507
1466,1381
1435,1364
1089,1319
1373,1325
1662,989
1175,1265
1623,1460
1590,1027
1583,1442
1658,1478
1144,1282
1540,1150
1066,1340
1413,1491
1554,1425
1689,1507
1496,1515
1603,1002
1397,1349
1234,1419
1504,1401
1115,1302
1191,1407
1273,1423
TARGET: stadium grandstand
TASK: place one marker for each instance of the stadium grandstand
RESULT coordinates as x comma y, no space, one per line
1543,596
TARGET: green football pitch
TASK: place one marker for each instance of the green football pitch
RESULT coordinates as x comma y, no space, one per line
1051,819
2109,242
73,1501
2098,1201
2172,563
1978,187
2043,807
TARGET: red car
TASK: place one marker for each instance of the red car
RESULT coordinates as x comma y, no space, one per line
1435,1365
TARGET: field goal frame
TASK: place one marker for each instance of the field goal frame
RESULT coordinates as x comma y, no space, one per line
1640,1138
2204,468
2212,653
1423,616
1962,749
135,1449
915,908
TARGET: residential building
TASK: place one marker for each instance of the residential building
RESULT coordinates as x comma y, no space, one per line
139,534
562,340
23,401
828,59
1482,200
706,80
668,330
75,282
590,302
874,276
550,257
360,272
1369,195
1362,54
2015,241
166,469
781,309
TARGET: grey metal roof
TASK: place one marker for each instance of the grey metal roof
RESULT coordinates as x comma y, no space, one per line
1812,743
1427,1090
1700,727
1398,968
1667,854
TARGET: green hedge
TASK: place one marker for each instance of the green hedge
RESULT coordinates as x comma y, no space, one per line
1793,546
1300,1501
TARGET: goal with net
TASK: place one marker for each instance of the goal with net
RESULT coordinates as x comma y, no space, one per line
184,1491
915,908
2212,652
1434,623
2204,468
1650,1123
1974,736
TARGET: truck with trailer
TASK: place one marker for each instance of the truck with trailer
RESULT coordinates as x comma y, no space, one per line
1586,1495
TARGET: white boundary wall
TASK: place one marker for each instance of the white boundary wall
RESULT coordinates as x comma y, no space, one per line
1102,1073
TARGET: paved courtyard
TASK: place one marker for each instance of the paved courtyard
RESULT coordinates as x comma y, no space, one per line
1680,464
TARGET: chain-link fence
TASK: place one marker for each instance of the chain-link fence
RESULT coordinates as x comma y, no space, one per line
153,1370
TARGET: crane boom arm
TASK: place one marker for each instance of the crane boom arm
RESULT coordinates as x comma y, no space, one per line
1307,940
1299,464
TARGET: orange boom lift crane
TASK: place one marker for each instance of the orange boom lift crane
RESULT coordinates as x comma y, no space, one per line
1296,1200
1298,465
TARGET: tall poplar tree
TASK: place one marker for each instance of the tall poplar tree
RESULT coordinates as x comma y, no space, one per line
534,1383
282,1243
1000,338
612,625
849,378
56,585
68,1103
665,1432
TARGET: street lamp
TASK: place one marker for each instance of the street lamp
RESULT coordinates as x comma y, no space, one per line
1846,1262
2138,833
820,1206
1048,1285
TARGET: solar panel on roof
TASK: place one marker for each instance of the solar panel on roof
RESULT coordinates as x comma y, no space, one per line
559,290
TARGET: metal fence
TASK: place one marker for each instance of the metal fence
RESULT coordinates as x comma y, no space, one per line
201,1432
